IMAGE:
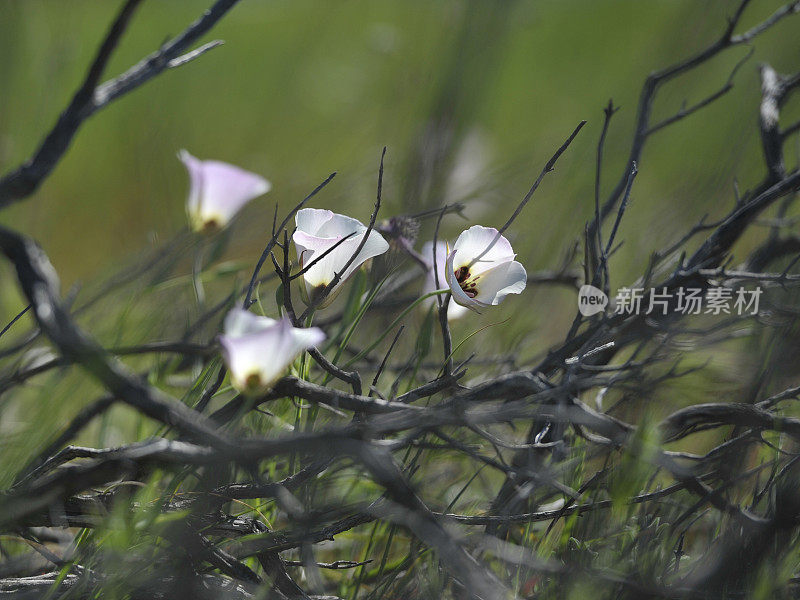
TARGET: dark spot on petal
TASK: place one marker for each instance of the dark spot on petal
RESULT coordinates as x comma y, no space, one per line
468,286
315,293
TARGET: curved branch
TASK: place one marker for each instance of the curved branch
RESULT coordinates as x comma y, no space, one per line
91,97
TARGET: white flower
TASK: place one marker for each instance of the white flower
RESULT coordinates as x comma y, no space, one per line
454,311
318,231
481,269
217,191
257,350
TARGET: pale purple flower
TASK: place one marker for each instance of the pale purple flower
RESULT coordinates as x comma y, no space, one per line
258,350
454,311
318,231
478,277
217,191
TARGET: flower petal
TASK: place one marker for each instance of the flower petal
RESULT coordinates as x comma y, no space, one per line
310,220
374,246
310,248
473,243
340,226
239,322
454,310
324,271
195,168
297,339
496,283
455,288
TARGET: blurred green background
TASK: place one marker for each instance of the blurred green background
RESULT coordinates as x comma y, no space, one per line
302,88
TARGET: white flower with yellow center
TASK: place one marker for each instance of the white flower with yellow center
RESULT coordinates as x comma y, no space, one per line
320,230
217,191
258,350
481,269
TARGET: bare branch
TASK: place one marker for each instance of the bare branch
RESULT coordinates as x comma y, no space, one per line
90,97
